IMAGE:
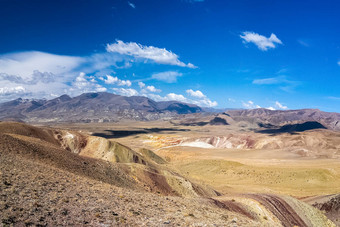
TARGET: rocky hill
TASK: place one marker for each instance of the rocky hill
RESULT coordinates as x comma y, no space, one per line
282,117
92,107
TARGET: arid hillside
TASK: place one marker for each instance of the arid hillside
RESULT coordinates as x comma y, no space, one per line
53,176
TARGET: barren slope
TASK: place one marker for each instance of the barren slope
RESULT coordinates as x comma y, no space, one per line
62,177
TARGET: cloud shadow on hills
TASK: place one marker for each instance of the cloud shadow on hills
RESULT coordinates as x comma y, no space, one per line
112,134
293,128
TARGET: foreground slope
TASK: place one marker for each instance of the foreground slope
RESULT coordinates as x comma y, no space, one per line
329,204
59,177
96,158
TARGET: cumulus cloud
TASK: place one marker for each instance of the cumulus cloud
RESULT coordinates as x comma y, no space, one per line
177,97
152,89
203,101
196,94
280,106
262,42
83,84
250,105
168,76
141,84
158,55
148,88
12,90
115,80
200,99
126,91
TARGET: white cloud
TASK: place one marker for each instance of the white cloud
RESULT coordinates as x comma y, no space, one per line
204,101
141,84
83,83
115,80
158,55
146,89
262,42
280,106
196,94
168,76
23,64
132,5
35,77
153,89
168,97
155,97
338,62
250,105
81,77
100,88
200,99
126,91
231,100
109,79
12,90
41,74
176,97
124,83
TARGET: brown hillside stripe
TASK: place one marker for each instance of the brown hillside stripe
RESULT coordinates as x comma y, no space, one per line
232,206
281,209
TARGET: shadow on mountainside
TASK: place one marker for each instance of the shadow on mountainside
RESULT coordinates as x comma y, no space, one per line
111,134
293,128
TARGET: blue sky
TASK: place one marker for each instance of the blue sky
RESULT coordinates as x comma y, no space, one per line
237,54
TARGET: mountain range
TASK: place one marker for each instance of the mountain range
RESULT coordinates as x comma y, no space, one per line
93,107
108,107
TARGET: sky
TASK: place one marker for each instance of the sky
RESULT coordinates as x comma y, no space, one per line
222,54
